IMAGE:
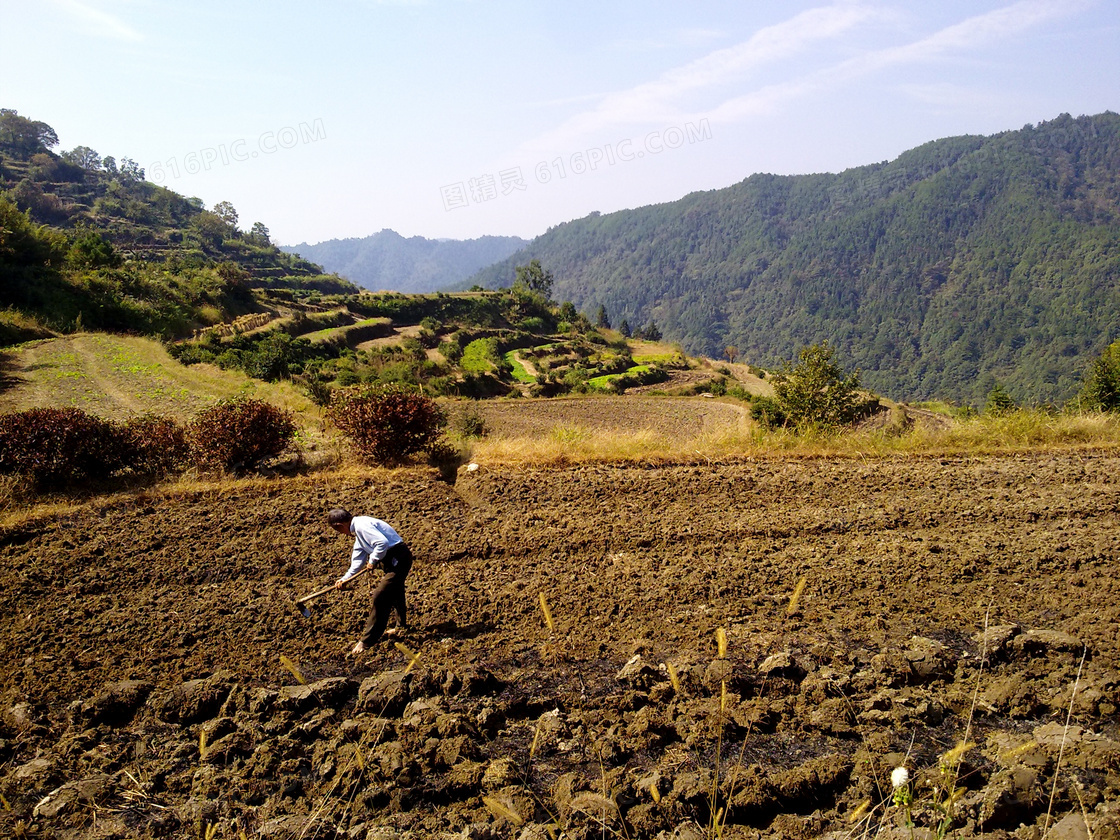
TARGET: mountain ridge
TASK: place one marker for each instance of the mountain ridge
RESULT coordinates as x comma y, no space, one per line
962,263
388,261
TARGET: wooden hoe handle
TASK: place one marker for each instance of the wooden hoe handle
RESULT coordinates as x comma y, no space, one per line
327,589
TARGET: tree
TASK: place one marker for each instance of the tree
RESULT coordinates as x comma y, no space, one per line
999,401
30,255
210,226
260,234
624,328
533,278
132,171
92,250
109,164
816,391
225,211
1101,389
732,353
601,319
19,134
84,157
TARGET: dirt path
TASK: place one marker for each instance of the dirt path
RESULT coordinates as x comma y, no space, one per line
399,334
142,689
530,368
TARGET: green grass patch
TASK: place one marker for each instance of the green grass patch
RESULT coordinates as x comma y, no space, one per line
478,356
322,335
655,358
518,369
937,406
603,383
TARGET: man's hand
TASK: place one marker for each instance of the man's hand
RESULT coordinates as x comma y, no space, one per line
339,583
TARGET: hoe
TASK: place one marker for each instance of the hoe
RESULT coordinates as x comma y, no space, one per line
301,603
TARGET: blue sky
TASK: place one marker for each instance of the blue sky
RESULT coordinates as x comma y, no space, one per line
459,118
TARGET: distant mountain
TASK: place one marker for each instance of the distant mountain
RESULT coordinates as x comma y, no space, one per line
964,262
387,261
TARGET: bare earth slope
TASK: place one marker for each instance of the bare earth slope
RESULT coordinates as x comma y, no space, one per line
142,691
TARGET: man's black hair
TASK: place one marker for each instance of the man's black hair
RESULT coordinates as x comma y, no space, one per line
339,516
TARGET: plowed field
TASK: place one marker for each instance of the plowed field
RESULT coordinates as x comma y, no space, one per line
688,678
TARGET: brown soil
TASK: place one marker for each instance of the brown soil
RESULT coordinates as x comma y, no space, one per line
142,690
399,334
673,417
677,379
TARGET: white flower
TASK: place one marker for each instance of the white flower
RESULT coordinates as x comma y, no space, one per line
899,777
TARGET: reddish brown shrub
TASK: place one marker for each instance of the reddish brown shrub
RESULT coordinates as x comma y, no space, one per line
239,433
154,445
56,447
386,423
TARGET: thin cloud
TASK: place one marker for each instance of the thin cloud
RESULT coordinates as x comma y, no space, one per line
969,34
975,32
100,22
659,101
700,36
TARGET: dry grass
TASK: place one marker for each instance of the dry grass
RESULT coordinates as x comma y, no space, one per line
1025,430
19,326
1020,431
572,445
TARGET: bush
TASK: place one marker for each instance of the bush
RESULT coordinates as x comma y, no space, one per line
317,388
451,351
154,446
386,423
1101,388
190,354
55,447
468,422
239,433
637,376
816,392
768,411
999,402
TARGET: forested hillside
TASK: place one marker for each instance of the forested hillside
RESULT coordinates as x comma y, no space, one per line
966,262
87,242
387,261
